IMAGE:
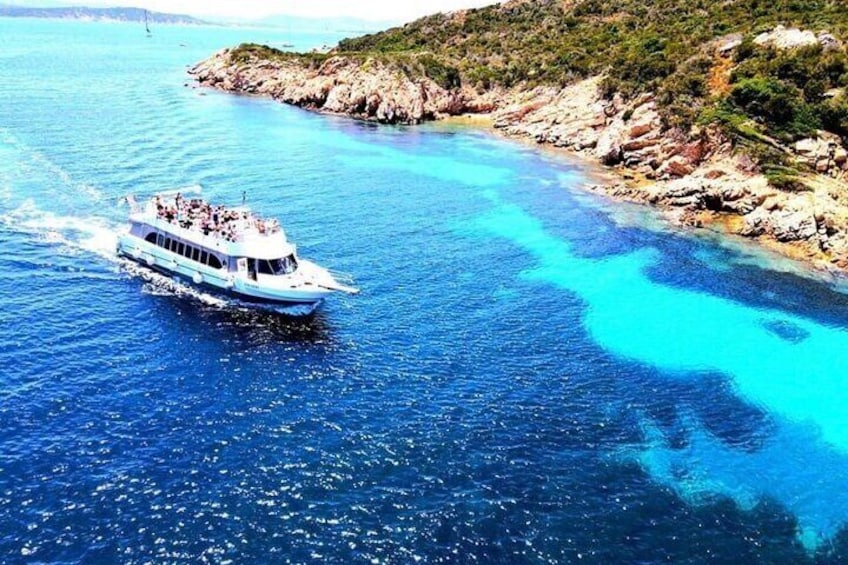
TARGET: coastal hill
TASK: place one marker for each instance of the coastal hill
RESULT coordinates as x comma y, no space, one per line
730,113
97,14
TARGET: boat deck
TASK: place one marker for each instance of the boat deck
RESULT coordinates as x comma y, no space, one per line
218,222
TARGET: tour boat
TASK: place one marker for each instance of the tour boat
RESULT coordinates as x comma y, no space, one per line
229,249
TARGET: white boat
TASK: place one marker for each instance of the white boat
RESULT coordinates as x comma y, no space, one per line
228,249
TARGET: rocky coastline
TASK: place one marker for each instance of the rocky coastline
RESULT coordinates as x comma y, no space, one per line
697,177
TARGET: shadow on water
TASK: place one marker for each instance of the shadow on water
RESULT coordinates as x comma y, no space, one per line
313,328
240,323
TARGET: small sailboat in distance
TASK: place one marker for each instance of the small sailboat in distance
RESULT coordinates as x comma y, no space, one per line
146,26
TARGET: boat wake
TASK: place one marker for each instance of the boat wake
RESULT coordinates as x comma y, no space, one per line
94,236
73,235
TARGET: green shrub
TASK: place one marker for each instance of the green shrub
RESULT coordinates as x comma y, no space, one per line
834,114
638,46
444,75
786,178
777,104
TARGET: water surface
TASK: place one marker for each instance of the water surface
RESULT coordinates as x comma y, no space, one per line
525,378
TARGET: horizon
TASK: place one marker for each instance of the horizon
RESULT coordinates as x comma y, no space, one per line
256,10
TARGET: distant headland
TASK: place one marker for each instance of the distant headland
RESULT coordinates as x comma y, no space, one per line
98,14
733,115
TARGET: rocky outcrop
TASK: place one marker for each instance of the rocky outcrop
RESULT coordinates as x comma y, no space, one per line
694,175
824,153
368,89
782,37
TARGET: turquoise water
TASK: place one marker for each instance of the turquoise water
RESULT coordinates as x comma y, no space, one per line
531,373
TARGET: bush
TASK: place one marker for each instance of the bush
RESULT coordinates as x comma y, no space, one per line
777,104
834,114
786,178
445,76
639,46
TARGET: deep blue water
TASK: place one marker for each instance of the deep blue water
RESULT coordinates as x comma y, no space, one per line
530,374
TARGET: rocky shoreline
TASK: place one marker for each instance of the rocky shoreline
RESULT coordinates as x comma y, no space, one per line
695,176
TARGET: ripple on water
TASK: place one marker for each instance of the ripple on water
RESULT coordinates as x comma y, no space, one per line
523,379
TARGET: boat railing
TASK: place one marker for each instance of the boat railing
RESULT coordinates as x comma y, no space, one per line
243,230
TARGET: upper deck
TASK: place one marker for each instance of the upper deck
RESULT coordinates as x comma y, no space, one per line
236,232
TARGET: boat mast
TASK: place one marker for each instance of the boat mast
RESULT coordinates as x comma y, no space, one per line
146,27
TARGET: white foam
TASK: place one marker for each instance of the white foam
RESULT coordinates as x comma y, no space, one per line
92,234
96,236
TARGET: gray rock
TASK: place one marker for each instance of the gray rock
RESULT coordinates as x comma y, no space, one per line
793,225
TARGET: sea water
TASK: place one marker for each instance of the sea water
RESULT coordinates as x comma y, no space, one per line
531,373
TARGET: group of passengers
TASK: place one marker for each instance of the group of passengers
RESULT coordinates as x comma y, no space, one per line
217,221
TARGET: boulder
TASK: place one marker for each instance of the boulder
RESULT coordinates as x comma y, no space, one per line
641,128
608,147
808,146
694,151
828,41
840,156
787,38
677,166
756,223
728,43
745,164
641,143
714,174
793,225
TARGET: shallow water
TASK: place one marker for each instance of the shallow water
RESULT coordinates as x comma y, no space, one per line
526,377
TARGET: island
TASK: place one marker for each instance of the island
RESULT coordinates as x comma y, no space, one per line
98,14
731,115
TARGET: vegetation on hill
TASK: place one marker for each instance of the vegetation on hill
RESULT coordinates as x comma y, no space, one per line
760,96
667,47
414,64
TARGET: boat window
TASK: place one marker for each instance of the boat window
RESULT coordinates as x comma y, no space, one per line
275,267
195,254
181,248
265,267
160,240
171,244
151,237
204,257
289,264
214,262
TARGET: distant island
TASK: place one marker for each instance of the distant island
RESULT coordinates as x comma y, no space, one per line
728,114
98,14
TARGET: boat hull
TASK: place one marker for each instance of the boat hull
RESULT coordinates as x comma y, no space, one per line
220,281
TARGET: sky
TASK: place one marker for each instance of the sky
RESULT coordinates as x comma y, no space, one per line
375,10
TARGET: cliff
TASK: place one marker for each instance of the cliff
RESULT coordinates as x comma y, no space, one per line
711,114
372,88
